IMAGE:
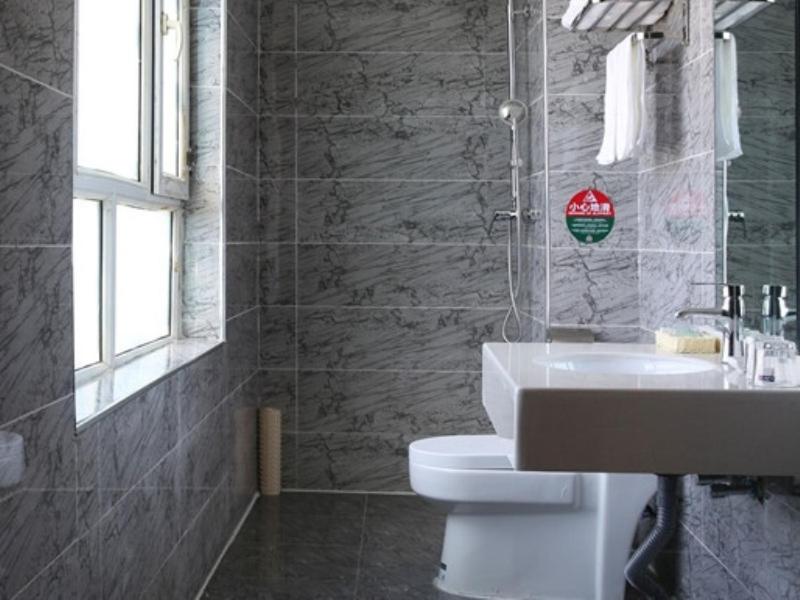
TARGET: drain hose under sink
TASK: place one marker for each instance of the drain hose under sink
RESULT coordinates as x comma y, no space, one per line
637,570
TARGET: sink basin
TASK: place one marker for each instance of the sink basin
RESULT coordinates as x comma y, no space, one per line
626,408
627,363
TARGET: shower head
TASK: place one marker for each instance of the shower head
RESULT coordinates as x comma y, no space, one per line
513,112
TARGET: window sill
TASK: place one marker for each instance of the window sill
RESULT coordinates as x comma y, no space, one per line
113,387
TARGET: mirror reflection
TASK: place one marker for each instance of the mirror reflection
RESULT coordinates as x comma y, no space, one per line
755,157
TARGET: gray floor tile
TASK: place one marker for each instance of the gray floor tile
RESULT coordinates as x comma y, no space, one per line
305,546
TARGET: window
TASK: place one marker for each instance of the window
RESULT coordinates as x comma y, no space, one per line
131,176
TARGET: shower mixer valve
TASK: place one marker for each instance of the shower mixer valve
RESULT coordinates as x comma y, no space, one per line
529,214
502,215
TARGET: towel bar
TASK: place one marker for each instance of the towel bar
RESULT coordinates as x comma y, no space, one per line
606,15
729,13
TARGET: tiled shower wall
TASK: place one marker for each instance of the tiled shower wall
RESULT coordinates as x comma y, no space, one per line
140,502
382,162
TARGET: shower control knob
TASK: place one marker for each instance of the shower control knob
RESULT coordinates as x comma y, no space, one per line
502,215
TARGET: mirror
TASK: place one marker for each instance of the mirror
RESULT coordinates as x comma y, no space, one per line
756,190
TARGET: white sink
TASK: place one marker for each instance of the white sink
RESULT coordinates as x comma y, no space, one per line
622,363
626,408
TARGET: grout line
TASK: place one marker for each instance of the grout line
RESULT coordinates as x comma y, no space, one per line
34,246
242,102
356,307
489,116
36,410
765,52
577,94
242,29
229,543
260,259
243,173
787,181
343,370
295,468
189,527
403,244
244,312
599,249
677,161
716,558
595,325
670,251
36,81
346,492
60,555
383,52
383,180
780,500
361,546
227,397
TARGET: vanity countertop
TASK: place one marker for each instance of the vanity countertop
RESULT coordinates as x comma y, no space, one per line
694,420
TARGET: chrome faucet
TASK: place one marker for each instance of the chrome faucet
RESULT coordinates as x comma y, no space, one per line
732,311
774,311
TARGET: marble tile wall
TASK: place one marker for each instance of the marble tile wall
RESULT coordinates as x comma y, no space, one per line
203,250
381,164
140,502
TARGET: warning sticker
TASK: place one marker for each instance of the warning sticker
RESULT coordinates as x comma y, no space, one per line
590,216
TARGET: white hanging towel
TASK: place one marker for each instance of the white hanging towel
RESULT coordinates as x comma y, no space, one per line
726,82
624,101
617,14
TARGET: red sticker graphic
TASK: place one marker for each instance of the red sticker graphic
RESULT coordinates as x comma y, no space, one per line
590,216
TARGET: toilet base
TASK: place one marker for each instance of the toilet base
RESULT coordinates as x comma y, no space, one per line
534,552
502,556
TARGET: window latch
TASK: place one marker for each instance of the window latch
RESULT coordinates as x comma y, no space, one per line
191,159
167,25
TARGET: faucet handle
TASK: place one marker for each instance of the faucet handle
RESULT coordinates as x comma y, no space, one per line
774,291
501,215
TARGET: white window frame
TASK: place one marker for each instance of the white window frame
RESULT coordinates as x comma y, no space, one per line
163,184
153,191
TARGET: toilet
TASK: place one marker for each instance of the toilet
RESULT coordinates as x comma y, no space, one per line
526,534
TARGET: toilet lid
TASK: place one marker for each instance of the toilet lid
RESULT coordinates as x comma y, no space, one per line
463,452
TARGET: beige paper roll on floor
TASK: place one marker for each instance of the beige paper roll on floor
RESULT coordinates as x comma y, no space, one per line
269,451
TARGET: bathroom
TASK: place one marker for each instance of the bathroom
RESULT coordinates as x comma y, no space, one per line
355,214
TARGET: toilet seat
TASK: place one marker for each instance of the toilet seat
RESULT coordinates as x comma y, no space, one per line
463,452
477,469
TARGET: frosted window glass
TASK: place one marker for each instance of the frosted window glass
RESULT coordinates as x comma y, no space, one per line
86,232
144,276
109,86
170,93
